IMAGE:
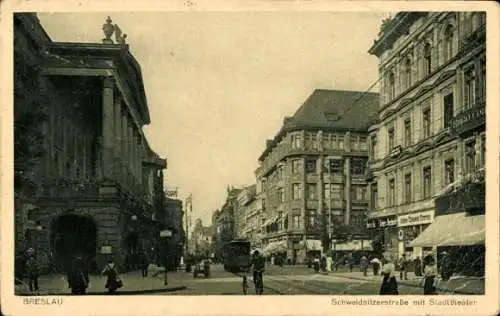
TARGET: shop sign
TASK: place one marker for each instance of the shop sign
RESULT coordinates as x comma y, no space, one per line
416,219
387,222
105,250
371,224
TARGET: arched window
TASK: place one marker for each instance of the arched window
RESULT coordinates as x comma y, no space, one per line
448,43
427,59
407,70
391,87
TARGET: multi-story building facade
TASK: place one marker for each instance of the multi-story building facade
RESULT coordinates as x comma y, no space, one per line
172,219
249,216
201,239
312,174
93,190
430,129
224,222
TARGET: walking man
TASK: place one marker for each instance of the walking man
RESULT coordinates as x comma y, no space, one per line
32,270
403,271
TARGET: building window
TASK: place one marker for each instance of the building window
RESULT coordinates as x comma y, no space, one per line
357,220
296,191
296,165
296,221
392,194
281,195
483,80
311,214
390,133
312,191
407,132
362,143
448,110
374,196
373,146
340,142
336,192
408,188
392,87
296,141
311,165
427,59
358,193
470,156
469,87
335,166
427,182
427,122
358,166
449,171
407,71
448,43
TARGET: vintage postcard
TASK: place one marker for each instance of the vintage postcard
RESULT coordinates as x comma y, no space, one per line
249,158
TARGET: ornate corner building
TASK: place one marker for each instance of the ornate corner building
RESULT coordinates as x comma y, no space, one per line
311,178
430,132
93,191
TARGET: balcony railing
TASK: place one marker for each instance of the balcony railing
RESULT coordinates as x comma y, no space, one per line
470,118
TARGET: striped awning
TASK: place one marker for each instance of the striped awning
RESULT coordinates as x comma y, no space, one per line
459,229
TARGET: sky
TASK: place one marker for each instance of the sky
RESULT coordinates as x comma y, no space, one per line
219,84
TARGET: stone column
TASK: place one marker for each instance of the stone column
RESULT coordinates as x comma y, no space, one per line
125,155
118,139
108,127
347,190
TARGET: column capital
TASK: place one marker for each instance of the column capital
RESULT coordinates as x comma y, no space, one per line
108,82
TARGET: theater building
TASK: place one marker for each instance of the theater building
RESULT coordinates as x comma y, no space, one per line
430,129
93,191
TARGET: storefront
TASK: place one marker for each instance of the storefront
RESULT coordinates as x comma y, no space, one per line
409,227
385,228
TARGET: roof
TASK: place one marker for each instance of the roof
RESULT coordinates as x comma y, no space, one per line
331,110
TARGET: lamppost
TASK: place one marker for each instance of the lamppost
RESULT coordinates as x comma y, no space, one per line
165,234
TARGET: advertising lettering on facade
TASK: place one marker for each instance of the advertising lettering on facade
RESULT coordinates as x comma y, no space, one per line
416,219
387,222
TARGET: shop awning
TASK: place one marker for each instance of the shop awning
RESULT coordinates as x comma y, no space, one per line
312,244
457,229
353,245
273,247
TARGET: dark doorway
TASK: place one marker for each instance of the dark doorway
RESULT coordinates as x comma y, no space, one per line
133,251
73,235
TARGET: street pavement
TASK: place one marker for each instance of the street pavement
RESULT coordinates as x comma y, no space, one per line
289,280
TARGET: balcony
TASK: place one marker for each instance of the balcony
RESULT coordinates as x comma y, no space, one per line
469,118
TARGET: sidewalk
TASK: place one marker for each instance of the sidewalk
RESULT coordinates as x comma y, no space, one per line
133,283
456,284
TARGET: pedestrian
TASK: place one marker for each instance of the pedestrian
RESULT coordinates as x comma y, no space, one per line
316,264
323,263
329,263
350,262
389,284
144,265
32,270
78,277
364,265
113,281
446,266
418,266
430,276
403,271
375,265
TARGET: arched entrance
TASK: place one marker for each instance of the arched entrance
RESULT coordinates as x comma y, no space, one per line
133,250
73,235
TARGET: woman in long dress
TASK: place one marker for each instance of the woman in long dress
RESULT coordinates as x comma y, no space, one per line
430,276
389,284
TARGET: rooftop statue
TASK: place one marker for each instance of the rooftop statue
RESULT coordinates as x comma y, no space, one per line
108,30
120,39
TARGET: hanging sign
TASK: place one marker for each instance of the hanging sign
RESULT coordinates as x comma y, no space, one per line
106,250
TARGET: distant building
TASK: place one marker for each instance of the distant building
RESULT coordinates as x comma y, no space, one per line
224,221
430,134
172,220
93,191
312,175
201,239
248,216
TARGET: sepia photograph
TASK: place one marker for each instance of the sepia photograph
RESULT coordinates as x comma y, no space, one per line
249,153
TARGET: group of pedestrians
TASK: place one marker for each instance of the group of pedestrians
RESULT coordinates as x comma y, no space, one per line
77,274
